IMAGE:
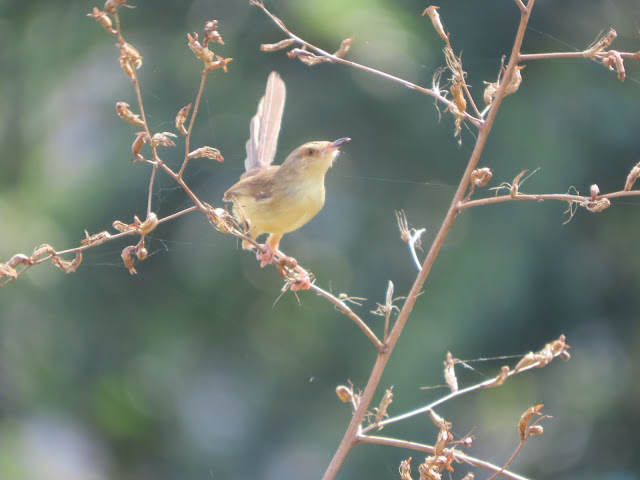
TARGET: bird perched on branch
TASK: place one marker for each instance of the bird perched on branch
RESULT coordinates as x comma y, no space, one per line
278,199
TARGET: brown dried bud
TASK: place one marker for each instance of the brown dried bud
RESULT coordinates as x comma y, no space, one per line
96,239
432,11
595,191
163,139
536,430
132,55
211,33
481,176
68,266
103,19
405,469
597,206
515,82
181,117
381,410
619,64
44,249
141,253
600,44
274,47
127,258
444,437
149,224
19,259
219,62
344,47
122,227
141,139
344,393
122,108
450,373
632,177
8,271
208,152
221,219
526,418
112,6
203,53
466,442
306,57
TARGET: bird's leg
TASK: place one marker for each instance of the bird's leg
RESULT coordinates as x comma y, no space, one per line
302,279
267,255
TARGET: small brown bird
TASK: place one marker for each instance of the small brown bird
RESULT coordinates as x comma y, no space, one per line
278,199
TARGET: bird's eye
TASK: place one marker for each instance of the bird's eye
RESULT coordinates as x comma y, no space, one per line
311,151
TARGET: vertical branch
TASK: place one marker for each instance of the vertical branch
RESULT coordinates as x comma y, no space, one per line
350,436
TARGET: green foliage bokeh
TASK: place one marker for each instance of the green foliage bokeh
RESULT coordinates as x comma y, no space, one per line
195,368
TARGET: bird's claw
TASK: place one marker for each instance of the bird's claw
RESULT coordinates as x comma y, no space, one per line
266,255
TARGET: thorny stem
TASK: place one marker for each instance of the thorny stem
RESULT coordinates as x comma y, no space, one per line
351,435
459,456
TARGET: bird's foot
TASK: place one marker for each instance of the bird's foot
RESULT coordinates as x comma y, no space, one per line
298,277
266,254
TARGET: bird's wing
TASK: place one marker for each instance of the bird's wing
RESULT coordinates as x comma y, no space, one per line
257,183
265,125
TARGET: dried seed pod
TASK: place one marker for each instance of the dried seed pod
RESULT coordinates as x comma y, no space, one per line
181,118
211,33
163,139
208,152
141,139
632,177
131,54
112,6
203,53
122,108
344,47
127,258
149,224
96,239
344,393
68,266
481,176
103,19
44,249
432,11
8,271
274,47
450,373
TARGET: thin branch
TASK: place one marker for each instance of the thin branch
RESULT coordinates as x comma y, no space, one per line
344,308
187,138
521,6
476,121
524,57
459,456
582,200
419,411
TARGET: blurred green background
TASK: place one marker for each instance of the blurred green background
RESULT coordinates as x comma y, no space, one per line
196,368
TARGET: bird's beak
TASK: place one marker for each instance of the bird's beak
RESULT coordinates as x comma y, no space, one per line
337,144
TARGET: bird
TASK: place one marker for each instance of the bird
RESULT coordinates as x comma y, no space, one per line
278,199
